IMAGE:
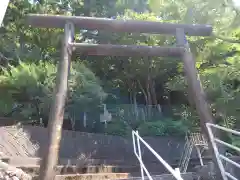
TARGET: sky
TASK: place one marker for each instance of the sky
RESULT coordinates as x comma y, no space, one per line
237,2
3,8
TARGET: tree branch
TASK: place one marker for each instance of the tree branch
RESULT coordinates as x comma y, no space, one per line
226,39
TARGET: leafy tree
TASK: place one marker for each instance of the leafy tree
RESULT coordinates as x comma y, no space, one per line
147,81
32,85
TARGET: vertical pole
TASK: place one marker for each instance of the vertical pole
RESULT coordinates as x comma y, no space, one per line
50,156
140,155
134,143
199,155
178,173
195,88
194,83
220,164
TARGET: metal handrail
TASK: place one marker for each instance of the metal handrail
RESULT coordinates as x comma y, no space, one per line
175,173
225,175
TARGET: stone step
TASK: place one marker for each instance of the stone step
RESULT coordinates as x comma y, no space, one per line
99,176
185,176
34,169
18,160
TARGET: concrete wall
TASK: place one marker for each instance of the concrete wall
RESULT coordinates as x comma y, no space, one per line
93,146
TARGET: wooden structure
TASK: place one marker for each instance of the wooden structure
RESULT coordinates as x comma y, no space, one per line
199,141
193,140
182,50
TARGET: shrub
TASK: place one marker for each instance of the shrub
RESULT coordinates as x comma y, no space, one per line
165,127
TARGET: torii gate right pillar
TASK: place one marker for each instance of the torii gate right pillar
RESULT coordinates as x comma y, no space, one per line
196,90
194,83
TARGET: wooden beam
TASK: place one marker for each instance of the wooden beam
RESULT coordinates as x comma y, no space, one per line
113,25
126,50
56,115
197,92
194,83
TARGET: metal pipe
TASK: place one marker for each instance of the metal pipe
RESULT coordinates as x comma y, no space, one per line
214,146
227,144
229,160
231,176
140,155
225,129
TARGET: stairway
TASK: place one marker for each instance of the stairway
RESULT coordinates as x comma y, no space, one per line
92,170
186,155
185,176
87,170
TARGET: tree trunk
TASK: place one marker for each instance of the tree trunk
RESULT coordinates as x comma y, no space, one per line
135,105
72,123
153,92
130,96
84,119
149,98
146,99
143,91
154,96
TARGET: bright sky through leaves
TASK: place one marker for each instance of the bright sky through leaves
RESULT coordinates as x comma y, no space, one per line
3,8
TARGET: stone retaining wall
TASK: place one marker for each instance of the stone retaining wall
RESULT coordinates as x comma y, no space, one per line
26,143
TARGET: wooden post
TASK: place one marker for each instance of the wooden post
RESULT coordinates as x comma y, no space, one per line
117,25
50,156
199,155
194,82
196,90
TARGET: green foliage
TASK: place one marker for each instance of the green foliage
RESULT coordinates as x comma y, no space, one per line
117,127
164,127
32,85
28,81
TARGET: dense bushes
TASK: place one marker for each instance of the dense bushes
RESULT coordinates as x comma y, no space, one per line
31,86
163,127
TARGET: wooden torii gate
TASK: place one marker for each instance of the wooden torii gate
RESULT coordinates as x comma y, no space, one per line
133,26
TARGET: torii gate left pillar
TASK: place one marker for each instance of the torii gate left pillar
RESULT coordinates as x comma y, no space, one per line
57,107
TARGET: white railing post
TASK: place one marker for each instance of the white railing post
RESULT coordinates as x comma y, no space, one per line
3,8
134,143
135,135
216,152
178,172
140,155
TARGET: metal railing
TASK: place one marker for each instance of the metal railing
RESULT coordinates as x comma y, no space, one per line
137,151
220,157
193,139
186,155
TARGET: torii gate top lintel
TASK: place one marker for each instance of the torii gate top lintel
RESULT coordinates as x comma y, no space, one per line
116,25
